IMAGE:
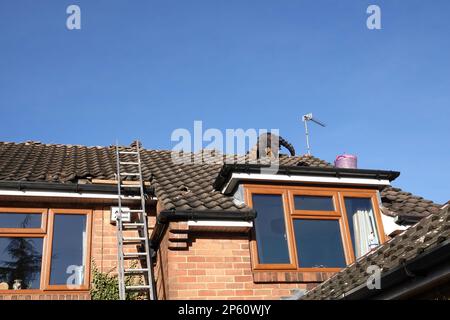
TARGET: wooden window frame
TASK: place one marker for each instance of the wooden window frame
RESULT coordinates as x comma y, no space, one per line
41,230
47,234
375,207
254,245
28,235
290,213
87,271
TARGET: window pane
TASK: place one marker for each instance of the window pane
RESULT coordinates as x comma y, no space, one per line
20,261
362,224
319,243
68,249
318,203
20,220
270,229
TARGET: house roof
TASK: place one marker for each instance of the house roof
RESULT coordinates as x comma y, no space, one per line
178,186
414,243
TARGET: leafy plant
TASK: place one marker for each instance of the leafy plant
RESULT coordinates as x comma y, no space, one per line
105,286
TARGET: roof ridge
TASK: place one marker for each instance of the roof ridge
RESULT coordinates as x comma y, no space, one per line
39,143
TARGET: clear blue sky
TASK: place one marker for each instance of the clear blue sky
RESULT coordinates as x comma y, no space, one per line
140,69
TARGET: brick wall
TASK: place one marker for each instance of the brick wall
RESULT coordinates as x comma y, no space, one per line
189,265
216,265
104,240
47,296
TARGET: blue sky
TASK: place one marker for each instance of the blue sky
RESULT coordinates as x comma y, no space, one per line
140,69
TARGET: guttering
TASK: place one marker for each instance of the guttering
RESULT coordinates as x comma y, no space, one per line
230,174
417,269
70,190
166,216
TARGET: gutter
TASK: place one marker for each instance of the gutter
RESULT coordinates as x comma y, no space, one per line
65,187
166,216
416,269
227,170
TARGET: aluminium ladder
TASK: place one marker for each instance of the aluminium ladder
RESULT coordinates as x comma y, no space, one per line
138,222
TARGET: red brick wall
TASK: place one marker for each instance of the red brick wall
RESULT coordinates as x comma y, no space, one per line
207,265
47,296
161,270
104,240
217,266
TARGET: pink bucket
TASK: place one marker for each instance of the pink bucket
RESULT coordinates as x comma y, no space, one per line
346,161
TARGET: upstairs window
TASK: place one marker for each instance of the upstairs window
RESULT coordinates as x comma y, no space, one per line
21,261
68,249
312,228
273,246
362,224
313,203
23,220
44,249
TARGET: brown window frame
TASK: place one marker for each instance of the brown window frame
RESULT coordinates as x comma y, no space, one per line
46,232
41,230
290,214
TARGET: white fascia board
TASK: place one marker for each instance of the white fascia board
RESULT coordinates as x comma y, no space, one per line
220,223
236,177
62,194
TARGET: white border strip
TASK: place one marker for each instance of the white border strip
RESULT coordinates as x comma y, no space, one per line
62,194
220,223
236,177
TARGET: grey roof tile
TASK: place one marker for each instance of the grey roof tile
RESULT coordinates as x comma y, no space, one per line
411,244
178,186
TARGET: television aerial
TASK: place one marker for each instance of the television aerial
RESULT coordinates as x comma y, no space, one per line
305,119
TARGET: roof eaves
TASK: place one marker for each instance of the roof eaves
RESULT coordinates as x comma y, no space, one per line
228,169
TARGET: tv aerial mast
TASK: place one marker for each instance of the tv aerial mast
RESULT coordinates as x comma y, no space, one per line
305,119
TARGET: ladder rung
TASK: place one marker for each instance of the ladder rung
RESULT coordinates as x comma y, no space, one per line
129,174
132,225
130,185
128,152
131,239
129,163
145,287
127,198
136,255
132,210
136,270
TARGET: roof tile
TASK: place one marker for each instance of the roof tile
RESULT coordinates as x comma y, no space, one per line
67,163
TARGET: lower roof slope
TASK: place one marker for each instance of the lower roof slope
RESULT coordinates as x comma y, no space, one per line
177,186
413,243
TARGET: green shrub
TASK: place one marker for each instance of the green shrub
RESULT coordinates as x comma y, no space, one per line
105,286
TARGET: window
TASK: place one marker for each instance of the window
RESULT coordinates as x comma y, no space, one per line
43,249
312,228
271,237
20,220
362,224
319,243
68,249
20,262
313,203
23,220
